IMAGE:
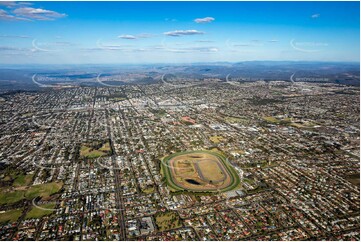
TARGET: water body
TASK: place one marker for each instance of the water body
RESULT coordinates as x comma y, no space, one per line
191,181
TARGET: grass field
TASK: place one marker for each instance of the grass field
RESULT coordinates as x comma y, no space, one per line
290,122
271,120
23,180
167,220
199,171
6,178
90,153
38,213
11,197
303,125
148,190
211,170
86,151
216,139
10,216
354,179
105,147
185,168
234,120
42,190
218,151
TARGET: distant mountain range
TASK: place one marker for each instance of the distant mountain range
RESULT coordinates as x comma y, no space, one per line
19,77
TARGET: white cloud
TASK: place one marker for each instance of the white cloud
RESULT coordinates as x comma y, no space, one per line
12,4
38,13
316,15
178,33
127,36
4,15
193,50
9,48
204,20
118,47
15,36
145,35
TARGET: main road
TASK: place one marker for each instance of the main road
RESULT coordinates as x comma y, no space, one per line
118,191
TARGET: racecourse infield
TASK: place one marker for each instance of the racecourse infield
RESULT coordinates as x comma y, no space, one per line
199,171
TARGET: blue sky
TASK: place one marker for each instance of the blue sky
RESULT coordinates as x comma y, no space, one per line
177,32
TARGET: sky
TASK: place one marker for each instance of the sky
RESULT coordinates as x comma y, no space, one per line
177,32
